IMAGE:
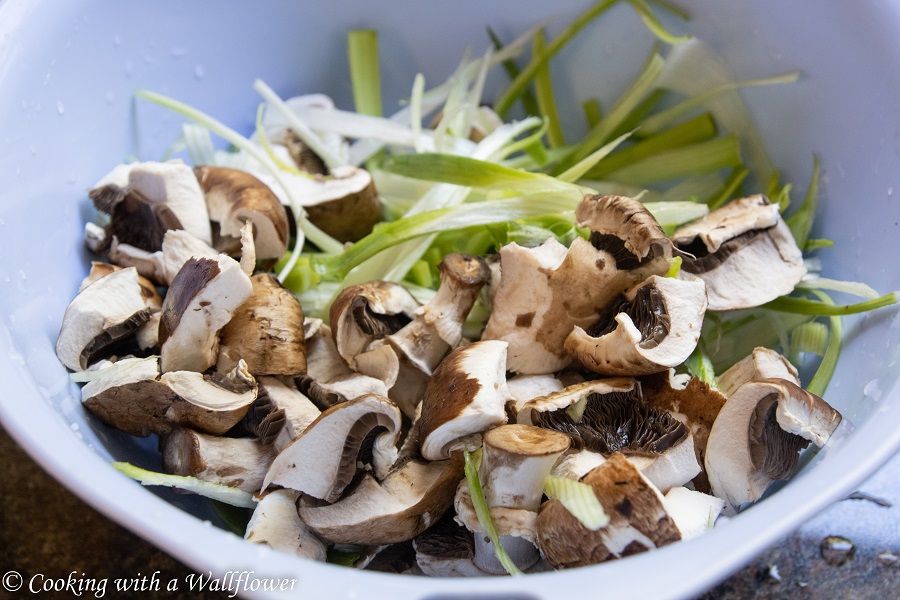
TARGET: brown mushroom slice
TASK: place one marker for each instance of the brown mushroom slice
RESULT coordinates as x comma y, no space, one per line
744,252
447,550
322,461
280,413
173,184
516,461
638,519
653,327
409,500
466,395
619,420
277,524
200,301
266,330
234,197
105,313
344,205
575,464
762,363
235,462
211,403
757,437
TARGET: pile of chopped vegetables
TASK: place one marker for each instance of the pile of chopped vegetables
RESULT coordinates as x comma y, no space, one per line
456,342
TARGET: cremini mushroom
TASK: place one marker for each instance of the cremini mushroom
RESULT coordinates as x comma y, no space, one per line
653,327
266,331
466,396
235,462
345,204
638,519
761,363
280,413
757,437
277,524
178,246
744,252
322,461
201,300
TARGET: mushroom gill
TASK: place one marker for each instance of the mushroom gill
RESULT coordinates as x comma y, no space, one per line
647,311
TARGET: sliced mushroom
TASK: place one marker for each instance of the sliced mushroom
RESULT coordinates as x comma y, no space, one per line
211,403
344,205
744,252
653,327
573,399
277,524
235,462
693,512
638,519
200,301
575,464
280,413
266,331
234,197
322,461
409,500
103,315
447,550
147,334
762,363
757,437
178,246
466,395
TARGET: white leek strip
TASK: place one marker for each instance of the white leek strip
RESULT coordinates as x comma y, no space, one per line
474,100
415,111
809,337
199,144
453,114
304,227
676,213
119,367
579,169
298,126
316,301
855,288
579,499
214,491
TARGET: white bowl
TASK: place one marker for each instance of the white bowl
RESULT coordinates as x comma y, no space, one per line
67,74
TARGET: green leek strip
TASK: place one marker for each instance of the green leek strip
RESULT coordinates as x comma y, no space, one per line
601,133
543,87
800,222
635,119
520,83
512,70
670,213
264,142
672,8
362,56
809,337
816,244
484,514
471,172
215,491
420,274
674,267
718,153
415,110
652,23
730,187
581,168
579,499
699,129
592,111
803,306
700,365
576,411
822,378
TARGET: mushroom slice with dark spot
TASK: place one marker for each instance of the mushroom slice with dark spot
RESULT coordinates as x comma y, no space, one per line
102,316
277,524
447,550
762,363
466,396
758,434
266,331
201,300
322,461
653,327
744,252
638,519
236,462
409,500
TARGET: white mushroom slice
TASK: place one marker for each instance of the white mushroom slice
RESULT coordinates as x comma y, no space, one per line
322,461
693,512
211,403
200,301
147,334
236,462
248,249
744,252
523,388
234,197
466,395
758,434
277,524
567,398
108,311
638,519
178,246
95,238
411,498
576,464
173,184
653,327
762,363
266,331
280,413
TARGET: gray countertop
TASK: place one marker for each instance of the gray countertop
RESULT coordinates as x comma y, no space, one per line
45,529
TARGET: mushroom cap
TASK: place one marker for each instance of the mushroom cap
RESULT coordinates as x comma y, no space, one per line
466,395
758,434
211,403
322,461
653,327
106,312
201,300
692,511
745,253
266,331
345,205
235,462
173,184
629,221
409,500
234,197
638,519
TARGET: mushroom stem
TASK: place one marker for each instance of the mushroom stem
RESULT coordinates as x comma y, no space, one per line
277,524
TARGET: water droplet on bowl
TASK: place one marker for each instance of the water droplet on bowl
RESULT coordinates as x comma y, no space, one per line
198,72
888,559
872,390
837,550
60,107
